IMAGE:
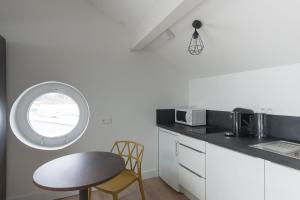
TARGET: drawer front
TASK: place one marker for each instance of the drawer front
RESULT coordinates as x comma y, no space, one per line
196,144
192,183
168,131
192,159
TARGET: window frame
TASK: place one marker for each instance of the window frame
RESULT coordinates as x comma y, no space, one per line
21,126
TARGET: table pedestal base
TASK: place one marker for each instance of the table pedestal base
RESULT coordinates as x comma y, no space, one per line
83,194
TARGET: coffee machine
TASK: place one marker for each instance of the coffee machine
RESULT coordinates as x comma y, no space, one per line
242,122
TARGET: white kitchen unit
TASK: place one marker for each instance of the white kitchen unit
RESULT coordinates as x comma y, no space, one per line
168,164
191,159
233,176
282,183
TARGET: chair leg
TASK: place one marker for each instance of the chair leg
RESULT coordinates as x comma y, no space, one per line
90,194
115,196
141,188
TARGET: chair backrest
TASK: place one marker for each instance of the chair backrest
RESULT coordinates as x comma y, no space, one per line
132,152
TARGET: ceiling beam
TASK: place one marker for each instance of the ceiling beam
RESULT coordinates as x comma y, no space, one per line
163,16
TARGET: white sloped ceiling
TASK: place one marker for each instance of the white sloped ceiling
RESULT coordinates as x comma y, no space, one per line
129,13
239,35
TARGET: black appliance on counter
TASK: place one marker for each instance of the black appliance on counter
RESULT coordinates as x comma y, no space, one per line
165,116
2,119
242,123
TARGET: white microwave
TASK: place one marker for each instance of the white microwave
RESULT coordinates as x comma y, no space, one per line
191,117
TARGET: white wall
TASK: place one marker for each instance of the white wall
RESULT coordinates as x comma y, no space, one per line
72,42
276,88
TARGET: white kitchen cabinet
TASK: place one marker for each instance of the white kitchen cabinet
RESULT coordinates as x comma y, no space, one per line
191,159
168,164
233,176
282,183
191,182
193,143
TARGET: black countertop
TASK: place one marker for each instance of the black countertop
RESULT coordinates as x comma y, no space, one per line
216,136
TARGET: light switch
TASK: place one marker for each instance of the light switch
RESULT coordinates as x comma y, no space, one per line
106,121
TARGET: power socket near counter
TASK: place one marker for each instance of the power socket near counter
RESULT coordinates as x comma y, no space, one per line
266,110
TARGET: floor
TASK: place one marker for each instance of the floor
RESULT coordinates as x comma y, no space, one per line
155,189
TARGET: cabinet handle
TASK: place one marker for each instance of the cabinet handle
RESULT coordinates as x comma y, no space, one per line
176,148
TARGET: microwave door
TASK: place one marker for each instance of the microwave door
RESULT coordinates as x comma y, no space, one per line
181,116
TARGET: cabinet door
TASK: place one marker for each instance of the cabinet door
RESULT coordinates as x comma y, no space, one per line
233,176
282,183
168,165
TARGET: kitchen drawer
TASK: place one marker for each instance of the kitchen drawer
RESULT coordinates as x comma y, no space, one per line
192,183
193,143
192,159
168,131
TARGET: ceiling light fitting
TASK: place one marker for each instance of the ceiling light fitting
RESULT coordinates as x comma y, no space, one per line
196,45
170,34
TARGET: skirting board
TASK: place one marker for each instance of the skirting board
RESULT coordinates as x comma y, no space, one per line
48,195
149,174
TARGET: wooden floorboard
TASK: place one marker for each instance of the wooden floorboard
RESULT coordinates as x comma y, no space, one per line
155,189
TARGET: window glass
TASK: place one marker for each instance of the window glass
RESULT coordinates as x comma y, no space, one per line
53,115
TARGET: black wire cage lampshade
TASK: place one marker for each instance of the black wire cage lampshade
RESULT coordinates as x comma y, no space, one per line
196,45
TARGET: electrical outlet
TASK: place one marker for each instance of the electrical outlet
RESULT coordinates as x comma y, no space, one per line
267,110
106,121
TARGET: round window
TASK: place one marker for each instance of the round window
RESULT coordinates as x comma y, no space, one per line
50,115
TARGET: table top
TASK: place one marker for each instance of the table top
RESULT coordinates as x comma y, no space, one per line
78,171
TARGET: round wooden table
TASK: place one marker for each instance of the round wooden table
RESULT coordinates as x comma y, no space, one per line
78,172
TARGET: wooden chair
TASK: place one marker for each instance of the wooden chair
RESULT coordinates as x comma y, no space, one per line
132,153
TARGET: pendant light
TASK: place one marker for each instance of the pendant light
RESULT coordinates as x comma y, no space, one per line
196,45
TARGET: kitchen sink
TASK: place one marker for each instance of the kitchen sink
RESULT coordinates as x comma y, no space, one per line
280,147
